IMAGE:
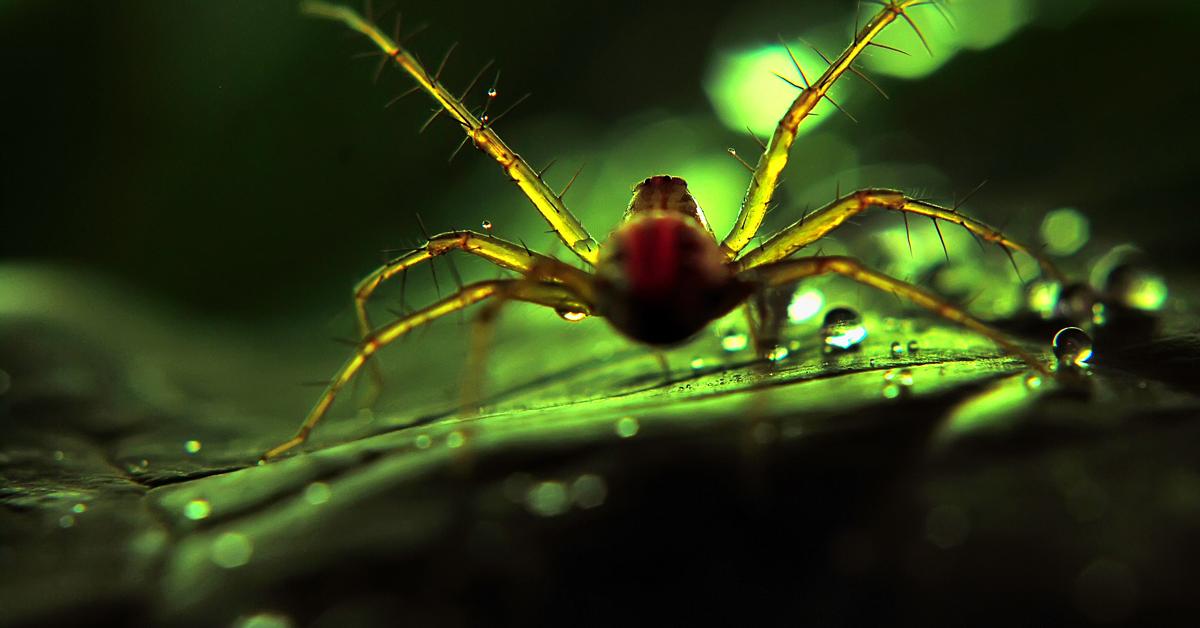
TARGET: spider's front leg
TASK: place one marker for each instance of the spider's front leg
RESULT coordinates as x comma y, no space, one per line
549,204
791,271
775,155
814,226
549,294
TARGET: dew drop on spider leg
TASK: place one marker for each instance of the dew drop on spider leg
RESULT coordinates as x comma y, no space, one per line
573,316
897,350
842,330
913,346
487,226
492,93
1073,347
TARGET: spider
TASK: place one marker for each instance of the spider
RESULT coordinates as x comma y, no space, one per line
662,275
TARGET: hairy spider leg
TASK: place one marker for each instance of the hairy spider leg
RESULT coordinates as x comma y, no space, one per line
551,295
814,226
775,156
790,271
496,250
547,202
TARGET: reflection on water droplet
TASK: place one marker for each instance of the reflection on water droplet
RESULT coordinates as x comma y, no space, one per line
589,491
1099,314
317,493
897,350
487,226
697,364
1073,347
804,305
842,329
547,499
897,382
455,439
733,342
627,427
79,509
913,346
1136,287
423,441
192,446
905,378
731,151
1033,381
232,550
197,509
891,390
571,315
777,354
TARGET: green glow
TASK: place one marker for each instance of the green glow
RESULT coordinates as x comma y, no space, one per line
422,441
1043,297
317,493
805,304
197,509
192,446
79,509
978,24
589,491
264,620
547,499
746,93
627,427
232,550
1148,292
1065,231
734,342
455,439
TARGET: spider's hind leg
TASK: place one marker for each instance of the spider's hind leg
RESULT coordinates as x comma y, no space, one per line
790,271
552,295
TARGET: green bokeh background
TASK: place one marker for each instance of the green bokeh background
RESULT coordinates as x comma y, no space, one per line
233,159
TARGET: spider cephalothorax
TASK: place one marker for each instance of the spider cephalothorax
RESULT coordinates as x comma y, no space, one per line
662,275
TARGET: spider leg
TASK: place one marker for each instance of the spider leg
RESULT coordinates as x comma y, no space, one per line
814,226
775,156
790,271
542,293
547,202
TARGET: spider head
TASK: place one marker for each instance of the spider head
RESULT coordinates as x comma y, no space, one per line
664,193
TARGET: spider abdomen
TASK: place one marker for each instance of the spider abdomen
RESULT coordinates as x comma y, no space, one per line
663,278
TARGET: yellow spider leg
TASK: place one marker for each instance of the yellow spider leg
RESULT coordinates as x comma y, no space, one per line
790,271
496,250
551,295
814,226
549,204
774,158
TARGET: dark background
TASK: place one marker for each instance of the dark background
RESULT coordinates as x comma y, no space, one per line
234,159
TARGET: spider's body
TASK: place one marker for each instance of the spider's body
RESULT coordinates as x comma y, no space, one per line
662,275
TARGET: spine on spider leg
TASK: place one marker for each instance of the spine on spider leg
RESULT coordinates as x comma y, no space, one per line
775,157
482,135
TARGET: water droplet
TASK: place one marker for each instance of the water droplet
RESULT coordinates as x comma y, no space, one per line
573,316
423,441
732,151
913,346
547,499
59,456
842,329
192,446
79,509
492,93
734,341
1136,287
585,245
485,118
197,509
589,491
891,390
455,439
317,493
232,550
697,364
66,521
897,350
627,427
1033,381
1072,347
487,226
777,354
905,378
